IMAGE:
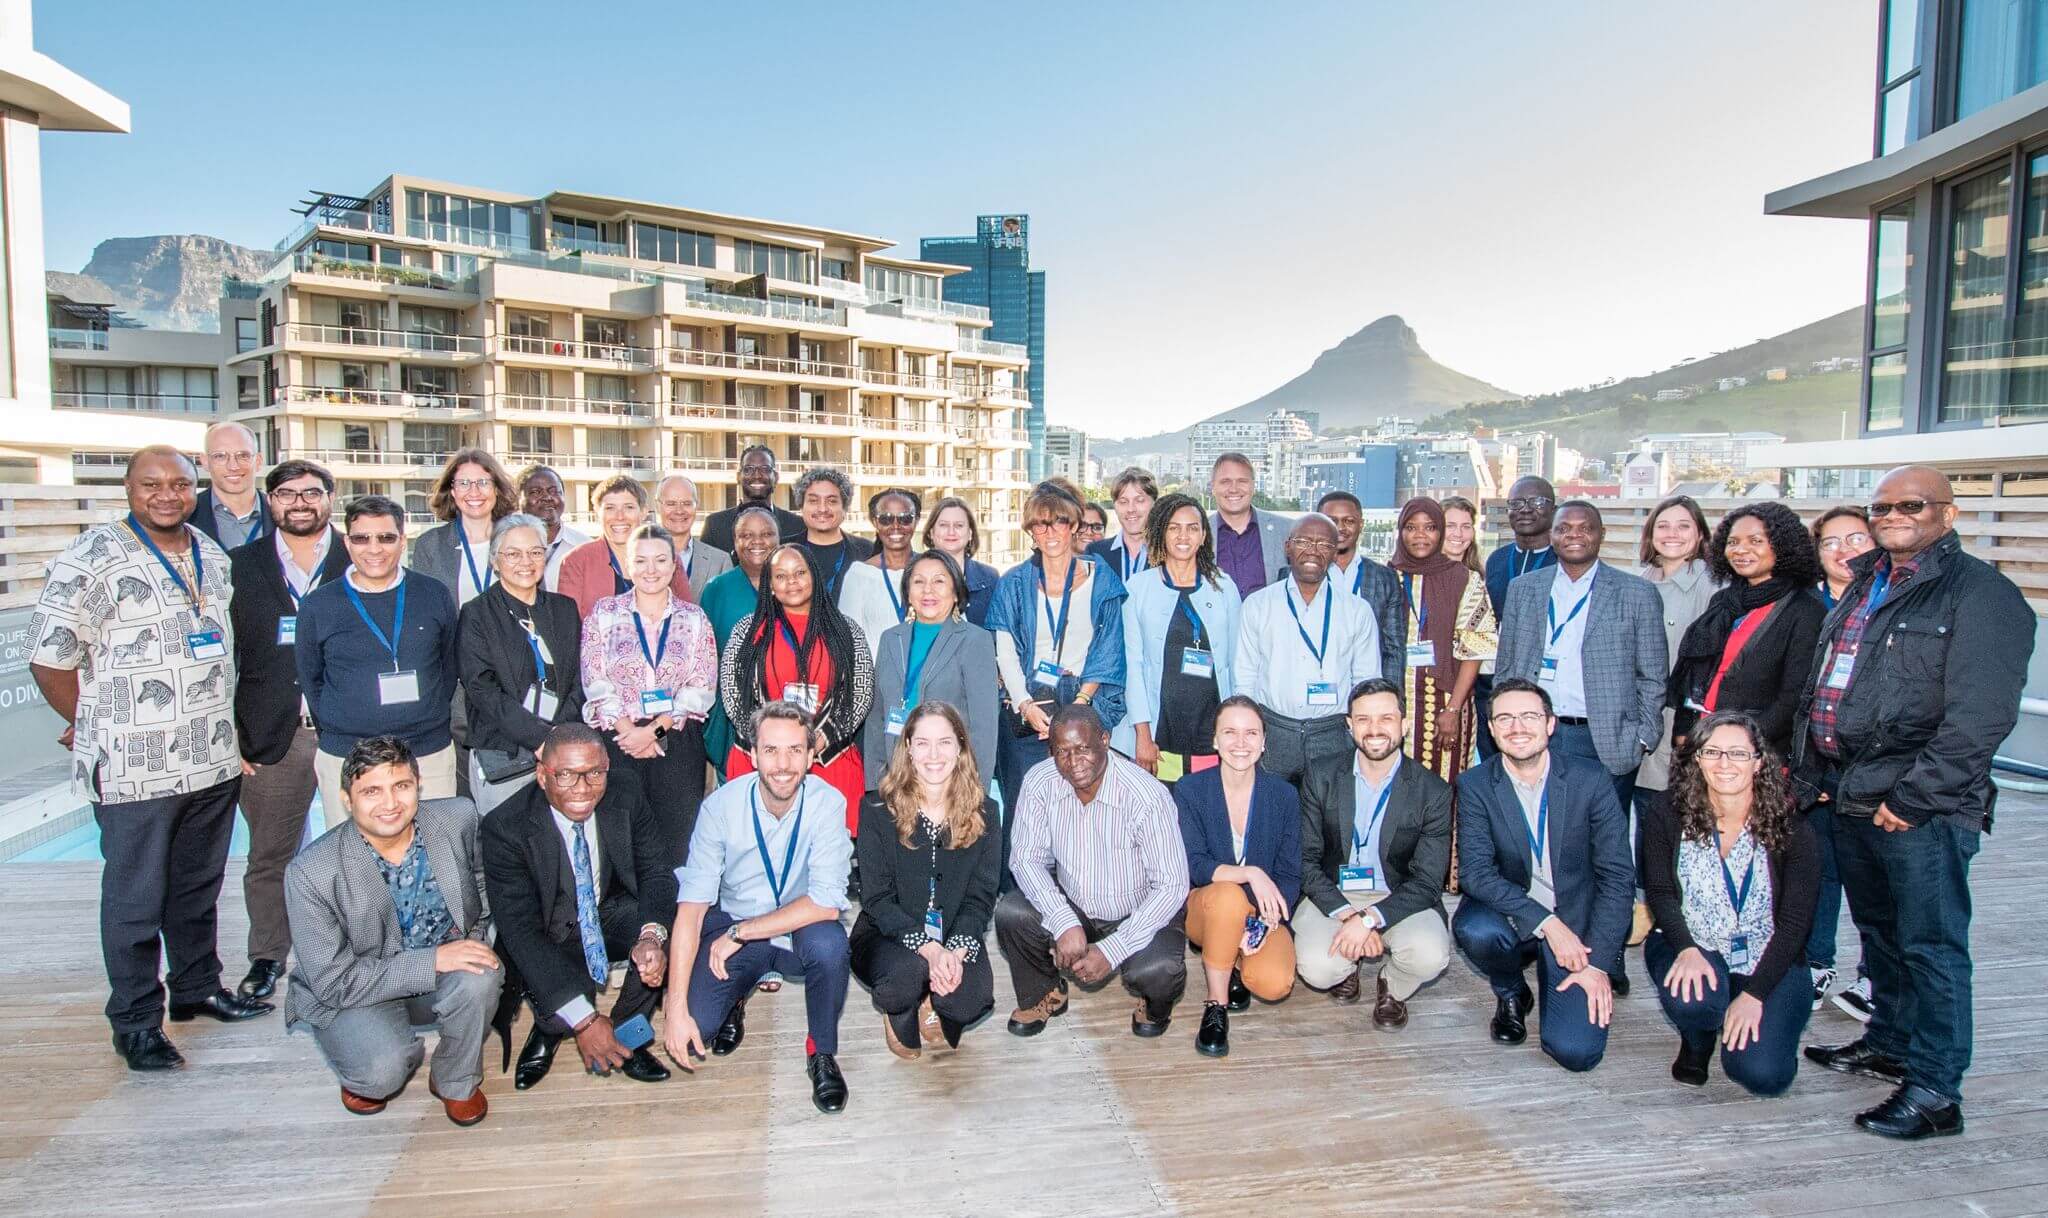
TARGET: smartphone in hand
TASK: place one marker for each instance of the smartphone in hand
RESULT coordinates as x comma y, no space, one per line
635,1033
1255,931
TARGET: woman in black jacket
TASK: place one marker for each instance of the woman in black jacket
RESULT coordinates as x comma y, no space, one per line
1752,649
1731,874
929,857
518,650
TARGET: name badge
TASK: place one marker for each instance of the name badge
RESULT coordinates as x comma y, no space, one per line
288,631
656,702
1740,958
1422,655
1048,673
398,688
897,718
803,697
544,703
1838,676
1321,693
1359,879
934,926
1548,673
206,644
1197,663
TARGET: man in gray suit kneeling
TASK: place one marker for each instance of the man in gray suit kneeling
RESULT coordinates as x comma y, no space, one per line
389,922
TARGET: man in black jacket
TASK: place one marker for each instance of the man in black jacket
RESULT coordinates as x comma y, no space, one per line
271,572
1917,680
578,877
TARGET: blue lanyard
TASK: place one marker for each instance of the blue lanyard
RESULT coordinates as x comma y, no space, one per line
894,602
397,618
1287,589
660,649
1880,588
838,572
1557,627
198,571
914,677
1736,898
795,834
1358,575
540,666
620,584
480,582
1542,833
1133,563
1827,594
1187,606
1421,612
1059,620
1379,809
1525,561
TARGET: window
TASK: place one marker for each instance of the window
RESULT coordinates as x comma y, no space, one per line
906,285
605,388
431,439
245,393
2002,49
245,334
433,216
1995,328
526,386
427,380
7,279
605,331
355,437
607,442
1891,301
676,246
1899,94
533,441
347,251
533,325
589,236
753,397
838,268
775,261
687,392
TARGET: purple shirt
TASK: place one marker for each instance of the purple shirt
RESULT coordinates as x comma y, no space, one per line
1241,555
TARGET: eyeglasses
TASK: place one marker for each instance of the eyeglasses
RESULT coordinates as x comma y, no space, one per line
895,519
1738,756
472,484
244,457
1091,527
1905,507
1506,719
534,555
1529,503
1316,545
576,778
381,539
1833,544
1047,526
286,496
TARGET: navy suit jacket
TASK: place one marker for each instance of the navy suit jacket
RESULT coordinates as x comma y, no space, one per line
1272,833
1588,849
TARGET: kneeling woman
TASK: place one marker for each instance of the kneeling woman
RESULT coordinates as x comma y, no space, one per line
1731,875
1242,829
928,868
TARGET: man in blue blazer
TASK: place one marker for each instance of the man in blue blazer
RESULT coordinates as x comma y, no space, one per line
1543,862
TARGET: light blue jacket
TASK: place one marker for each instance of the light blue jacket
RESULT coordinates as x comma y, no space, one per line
1149,606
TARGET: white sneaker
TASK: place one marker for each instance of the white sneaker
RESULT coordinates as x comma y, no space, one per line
1855,1000
1823,979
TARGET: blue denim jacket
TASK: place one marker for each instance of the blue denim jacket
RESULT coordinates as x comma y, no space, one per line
1014,611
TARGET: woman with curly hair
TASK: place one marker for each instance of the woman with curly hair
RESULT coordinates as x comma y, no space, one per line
1180,638
798,648
1752,649
1731,873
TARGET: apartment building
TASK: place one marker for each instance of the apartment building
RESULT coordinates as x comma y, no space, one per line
1208,441
996,274
1697,451
114,372
1066,454
604,335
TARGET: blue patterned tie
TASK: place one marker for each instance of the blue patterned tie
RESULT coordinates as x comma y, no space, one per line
586,911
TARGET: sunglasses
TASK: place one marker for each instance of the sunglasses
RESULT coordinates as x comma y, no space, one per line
381,539
1905,507
896,519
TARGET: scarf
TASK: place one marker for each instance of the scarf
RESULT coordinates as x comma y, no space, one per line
1443,577
1699,652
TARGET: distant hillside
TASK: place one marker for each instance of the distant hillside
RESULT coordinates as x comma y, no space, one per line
172,282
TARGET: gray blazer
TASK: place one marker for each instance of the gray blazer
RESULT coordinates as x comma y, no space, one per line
1272,540
960,670
344,928
435,553
706,564
1624,658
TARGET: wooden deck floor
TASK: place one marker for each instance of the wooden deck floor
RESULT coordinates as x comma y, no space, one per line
1313,1113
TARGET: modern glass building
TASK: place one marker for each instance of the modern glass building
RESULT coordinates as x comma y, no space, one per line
999,278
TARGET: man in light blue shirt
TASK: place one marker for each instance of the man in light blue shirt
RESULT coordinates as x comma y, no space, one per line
1564,667
762,892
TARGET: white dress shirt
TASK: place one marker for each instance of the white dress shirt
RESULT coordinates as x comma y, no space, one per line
1276,667
1566,682
566,540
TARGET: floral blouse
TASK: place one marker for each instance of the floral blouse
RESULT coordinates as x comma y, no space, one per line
615,669
1710,916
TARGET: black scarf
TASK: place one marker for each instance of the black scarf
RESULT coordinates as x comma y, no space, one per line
1699,652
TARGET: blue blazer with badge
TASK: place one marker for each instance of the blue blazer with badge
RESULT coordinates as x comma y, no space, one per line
1588,847
1272,833
1149,606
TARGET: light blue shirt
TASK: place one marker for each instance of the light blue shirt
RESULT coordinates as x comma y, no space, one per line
1276,667
1567,685
1366,797
725,861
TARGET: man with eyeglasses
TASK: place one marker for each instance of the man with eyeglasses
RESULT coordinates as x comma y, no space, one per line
376,656
675,500
272,575
1532,506
1301,647
1545,875
541,495
229,510
578,875
757,480
1917,681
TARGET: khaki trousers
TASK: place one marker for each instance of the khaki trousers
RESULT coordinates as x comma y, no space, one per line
1418,951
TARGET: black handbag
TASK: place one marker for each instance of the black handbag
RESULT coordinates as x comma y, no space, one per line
500,766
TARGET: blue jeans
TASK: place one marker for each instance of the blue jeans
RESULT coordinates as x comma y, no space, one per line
1827,915
817,953
1767,1064
1568,1033
1909,894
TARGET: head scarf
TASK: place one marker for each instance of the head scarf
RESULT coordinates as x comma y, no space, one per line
1442,577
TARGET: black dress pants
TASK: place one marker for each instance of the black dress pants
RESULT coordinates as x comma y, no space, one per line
673,784
900,980
621,924
1157,972
159,893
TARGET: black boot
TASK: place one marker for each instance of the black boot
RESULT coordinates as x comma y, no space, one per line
1695,1054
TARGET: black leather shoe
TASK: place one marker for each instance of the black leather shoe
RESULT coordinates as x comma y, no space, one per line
1213,1039
1618,981
1509,1027
220,1005
731,1032
261,980
536,1058
1690,1067
643,1067
148,1050
1913,1113
1142,1023
1857,1057
1240,997
828,1086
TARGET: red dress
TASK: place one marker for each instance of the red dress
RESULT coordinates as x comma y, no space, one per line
844,772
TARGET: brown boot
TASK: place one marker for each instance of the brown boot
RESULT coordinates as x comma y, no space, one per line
1031,1020
909,1053
1389,1014
361,1105
928,1029
1345,992
466,1111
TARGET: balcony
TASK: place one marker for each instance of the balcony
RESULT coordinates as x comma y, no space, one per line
392,403
417,341
355,221
617,354
699,294
462,234
1013,395
585,245
947,310
800,421
523,403
600,464
64,338
143,403
384,463
309,263
914,381
987,346
739,362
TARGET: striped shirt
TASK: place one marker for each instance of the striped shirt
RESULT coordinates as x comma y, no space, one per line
1117,858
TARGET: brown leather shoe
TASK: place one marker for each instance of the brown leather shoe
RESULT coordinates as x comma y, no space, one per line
1389,1014
467,1111
361,1105
928,1029
909,1053
1031,1020
1346,991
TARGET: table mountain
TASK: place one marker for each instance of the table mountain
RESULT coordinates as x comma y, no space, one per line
173,282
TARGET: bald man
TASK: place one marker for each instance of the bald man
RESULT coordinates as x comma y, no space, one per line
230,511
675,499
1917,681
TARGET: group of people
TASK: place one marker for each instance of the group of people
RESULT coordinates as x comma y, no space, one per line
667,761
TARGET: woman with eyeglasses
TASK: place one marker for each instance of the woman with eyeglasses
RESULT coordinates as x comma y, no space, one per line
602,568
1180,643
1731,873
649,667
1094,524
952,530
520,650
935,656
471,495
731,596
1841,535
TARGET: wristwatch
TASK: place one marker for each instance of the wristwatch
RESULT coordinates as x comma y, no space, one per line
733,932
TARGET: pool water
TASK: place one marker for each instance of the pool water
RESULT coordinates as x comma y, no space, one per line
83,843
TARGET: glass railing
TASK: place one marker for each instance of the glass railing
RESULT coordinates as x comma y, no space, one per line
378,272
944,308
585,245
353,221
151,403
988,346
411,400
240,289
463,234
403,340
65,338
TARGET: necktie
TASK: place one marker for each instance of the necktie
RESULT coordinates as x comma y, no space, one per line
586,911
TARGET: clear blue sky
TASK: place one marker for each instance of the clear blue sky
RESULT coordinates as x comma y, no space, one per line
1550,193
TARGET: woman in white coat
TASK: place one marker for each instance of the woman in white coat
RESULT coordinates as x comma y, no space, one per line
1180,640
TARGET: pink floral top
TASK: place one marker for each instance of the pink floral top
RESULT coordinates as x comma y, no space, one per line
615,668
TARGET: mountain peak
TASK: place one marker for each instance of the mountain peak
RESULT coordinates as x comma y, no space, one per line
1389,333
172,281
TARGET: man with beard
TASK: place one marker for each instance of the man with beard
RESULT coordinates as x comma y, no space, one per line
675,499
271,574
757,479
1376,849
541,496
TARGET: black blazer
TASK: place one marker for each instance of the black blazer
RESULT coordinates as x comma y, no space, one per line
1415,839
1770,675
1588,849
718,526
1795,891
531,884
496,667
266,674
895,880
202,517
